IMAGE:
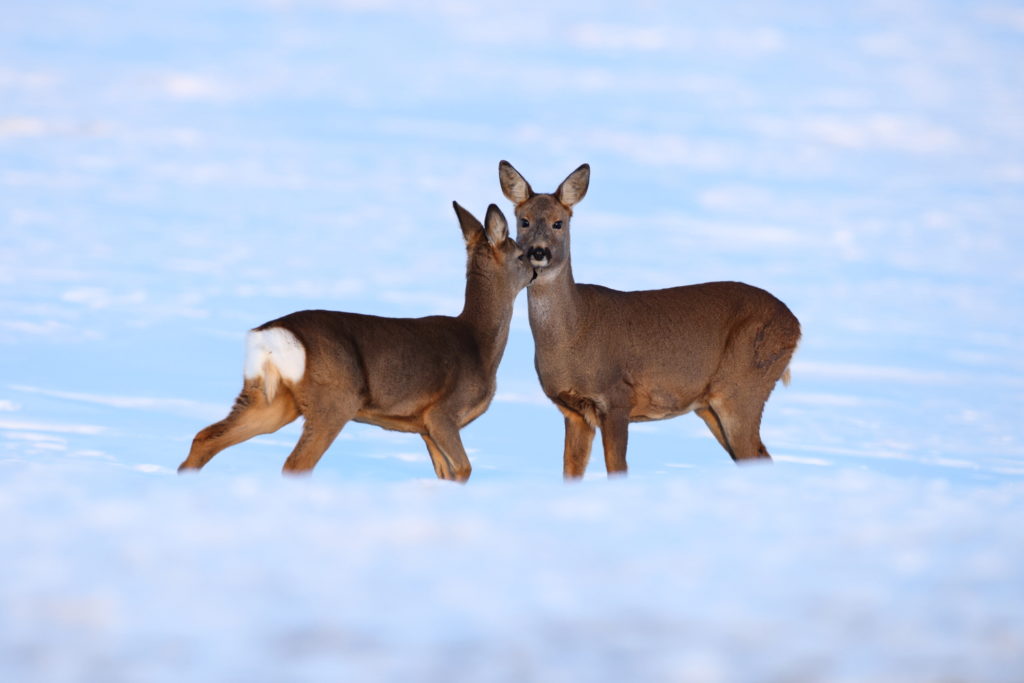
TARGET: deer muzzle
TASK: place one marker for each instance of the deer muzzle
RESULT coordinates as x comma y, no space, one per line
539,256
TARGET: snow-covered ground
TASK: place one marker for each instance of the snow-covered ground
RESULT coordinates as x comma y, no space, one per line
174,174
762,574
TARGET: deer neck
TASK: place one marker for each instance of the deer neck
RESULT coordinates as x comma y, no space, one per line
554,308
487,313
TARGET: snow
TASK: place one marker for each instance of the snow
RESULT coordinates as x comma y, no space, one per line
760,573
173,176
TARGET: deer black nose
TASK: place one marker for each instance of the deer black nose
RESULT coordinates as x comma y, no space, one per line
539,254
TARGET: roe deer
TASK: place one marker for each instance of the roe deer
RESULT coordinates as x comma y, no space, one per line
430,375
607,358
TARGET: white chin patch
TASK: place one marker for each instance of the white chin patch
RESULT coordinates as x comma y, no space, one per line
280,348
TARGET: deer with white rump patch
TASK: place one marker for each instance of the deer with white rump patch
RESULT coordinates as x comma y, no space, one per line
607,358
431,376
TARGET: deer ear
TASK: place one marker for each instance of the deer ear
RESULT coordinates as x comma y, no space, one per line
471,228
496,226
574,187
513,185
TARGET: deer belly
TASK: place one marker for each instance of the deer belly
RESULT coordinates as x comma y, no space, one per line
660,406
394,423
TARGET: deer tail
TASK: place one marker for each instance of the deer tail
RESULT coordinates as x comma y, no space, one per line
273,355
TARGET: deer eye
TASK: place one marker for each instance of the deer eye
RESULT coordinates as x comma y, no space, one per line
523,222
557,225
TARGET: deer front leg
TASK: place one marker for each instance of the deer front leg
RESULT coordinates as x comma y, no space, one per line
442,467
579,437
614,435
446,451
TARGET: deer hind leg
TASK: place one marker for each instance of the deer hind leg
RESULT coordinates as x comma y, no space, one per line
738,426
579,438
710,418
326,411
446,450
251,415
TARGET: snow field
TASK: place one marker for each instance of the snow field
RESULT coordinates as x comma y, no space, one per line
761,574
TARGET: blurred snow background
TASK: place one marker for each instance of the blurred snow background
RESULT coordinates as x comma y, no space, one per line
174,174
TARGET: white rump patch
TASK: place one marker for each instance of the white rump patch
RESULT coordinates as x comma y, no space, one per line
278,347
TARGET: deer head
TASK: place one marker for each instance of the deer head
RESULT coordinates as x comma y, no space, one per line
492,253
542,220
